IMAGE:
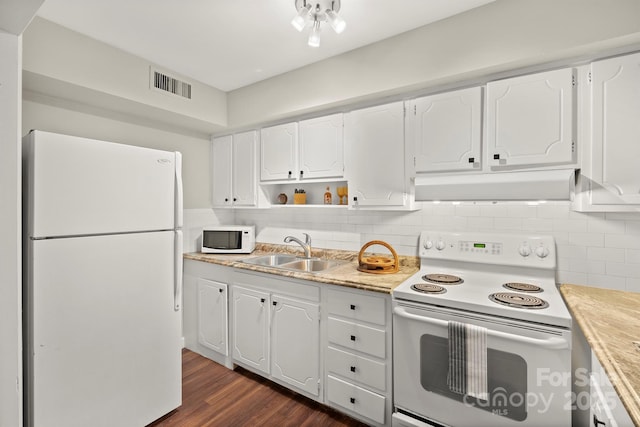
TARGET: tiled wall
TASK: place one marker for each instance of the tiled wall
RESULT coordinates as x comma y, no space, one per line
597,249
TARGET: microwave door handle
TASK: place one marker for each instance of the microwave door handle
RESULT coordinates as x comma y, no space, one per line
551,343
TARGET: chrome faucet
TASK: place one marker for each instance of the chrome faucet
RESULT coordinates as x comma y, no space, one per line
306,245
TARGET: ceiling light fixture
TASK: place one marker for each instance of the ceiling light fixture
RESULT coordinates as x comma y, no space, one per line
314,12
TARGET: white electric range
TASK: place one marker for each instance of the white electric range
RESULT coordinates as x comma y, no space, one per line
500,287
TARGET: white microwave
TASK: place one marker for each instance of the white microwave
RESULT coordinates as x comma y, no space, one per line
228,239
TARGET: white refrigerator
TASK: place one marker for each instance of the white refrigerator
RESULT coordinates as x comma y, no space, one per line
102,282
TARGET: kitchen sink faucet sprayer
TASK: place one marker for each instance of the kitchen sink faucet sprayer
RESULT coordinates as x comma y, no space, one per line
306,245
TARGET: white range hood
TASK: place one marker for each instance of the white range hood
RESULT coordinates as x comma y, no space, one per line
528,185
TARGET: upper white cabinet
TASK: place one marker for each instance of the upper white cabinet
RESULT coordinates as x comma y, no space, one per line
530,120
446,131
278,152
310,149
375,156
321,147
234,166
611,174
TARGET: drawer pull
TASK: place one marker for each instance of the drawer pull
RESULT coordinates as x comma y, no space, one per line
352,306
352,399
352,368
353,337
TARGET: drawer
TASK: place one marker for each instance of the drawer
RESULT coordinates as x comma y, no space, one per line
366,308
357,368
357,399
357,337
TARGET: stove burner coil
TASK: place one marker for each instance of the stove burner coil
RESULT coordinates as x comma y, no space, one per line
522,287
428,288
444,279
512,299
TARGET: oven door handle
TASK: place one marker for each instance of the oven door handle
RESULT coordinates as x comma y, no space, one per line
552,342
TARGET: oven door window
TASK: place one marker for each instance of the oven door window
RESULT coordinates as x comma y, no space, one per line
506,378
228,240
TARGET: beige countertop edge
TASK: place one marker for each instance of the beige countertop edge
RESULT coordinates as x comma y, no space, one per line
610,321
345,275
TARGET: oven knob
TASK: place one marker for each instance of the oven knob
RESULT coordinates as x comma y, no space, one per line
428,244
542,251
525,250
439,245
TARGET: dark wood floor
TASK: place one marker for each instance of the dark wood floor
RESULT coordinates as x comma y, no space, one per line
213,395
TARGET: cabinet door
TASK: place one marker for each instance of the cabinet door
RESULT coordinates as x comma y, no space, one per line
321,147
447,130
250,331
374,143
278,152
244,169
615,131
530,120
212,315
221,153
295,343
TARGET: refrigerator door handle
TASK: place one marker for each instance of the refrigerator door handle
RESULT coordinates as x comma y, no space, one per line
178,191
177,280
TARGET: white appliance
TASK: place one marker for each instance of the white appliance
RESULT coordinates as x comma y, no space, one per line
102,282
512,366
228,239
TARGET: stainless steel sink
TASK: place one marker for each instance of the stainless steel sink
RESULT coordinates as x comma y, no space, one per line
294,263
312,265
271,260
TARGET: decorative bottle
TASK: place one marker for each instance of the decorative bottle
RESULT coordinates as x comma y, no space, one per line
327,197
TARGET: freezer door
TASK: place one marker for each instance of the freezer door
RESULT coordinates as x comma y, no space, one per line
79,186
103,337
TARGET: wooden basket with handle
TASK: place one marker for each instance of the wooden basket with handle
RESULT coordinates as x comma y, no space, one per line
378,264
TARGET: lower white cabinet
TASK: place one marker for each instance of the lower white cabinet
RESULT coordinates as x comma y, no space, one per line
606,408
276,330
250,332
358,355
295,343
212,315
205,310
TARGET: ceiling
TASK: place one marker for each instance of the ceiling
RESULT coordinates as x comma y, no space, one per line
229,44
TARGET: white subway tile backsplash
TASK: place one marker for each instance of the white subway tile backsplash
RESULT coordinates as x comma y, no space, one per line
594,249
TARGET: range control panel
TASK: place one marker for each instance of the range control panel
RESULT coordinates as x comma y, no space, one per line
491,248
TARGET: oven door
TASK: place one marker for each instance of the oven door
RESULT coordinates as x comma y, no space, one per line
528,370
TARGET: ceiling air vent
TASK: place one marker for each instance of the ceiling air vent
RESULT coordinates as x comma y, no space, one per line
170,84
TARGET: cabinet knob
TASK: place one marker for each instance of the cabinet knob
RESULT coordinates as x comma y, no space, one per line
262,300
353,337
352,368
226,199
472,159
301,173
352,399
496,157
355,198
352,306
275,303
289,174
220,290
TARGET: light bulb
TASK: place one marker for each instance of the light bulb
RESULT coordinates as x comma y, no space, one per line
300,20
337,23
314,37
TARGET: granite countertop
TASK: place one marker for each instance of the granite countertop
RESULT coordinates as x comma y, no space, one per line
610,321
346,274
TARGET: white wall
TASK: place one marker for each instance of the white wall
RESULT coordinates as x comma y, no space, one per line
500,36
75,119
595,249
10,232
